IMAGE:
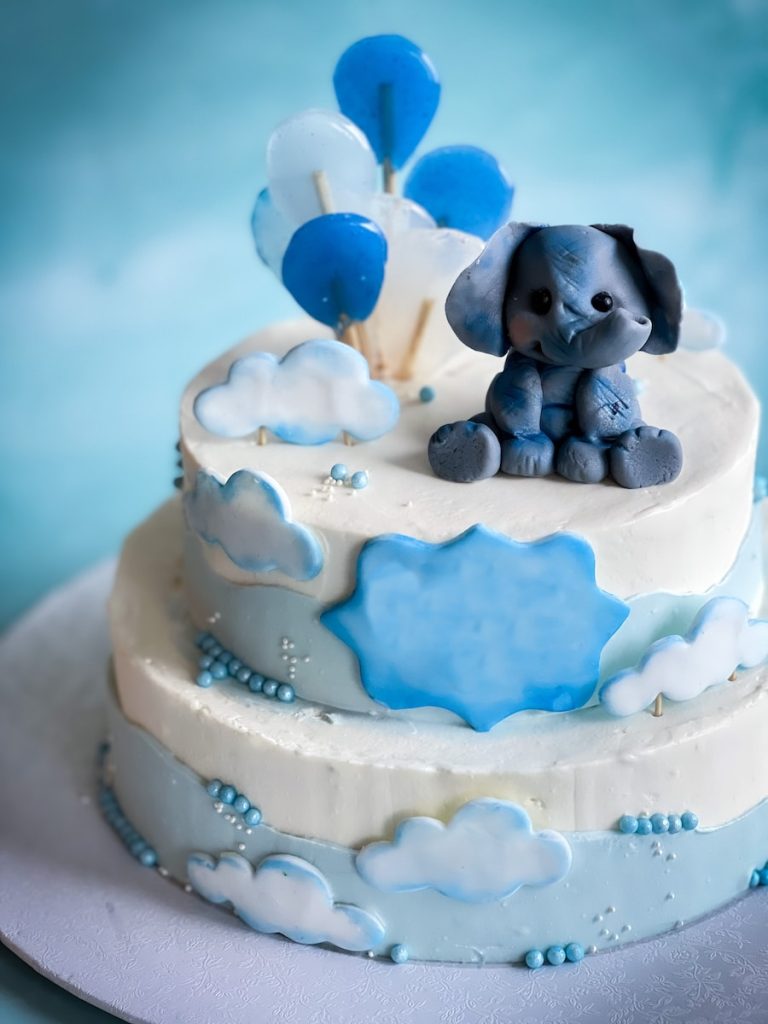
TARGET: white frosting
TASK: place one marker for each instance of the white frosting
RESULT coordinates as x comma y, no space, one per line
681,537
349,778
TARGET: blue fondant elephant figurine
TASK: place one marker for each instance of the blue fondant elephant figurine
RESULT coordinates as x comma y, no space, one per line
567,306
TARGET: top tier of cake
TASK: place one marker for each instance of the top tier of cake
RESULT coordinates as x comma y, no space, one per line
664,551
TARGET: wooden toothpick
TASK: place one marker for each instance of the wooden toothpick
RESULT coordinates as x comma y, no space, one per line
386,118
323,190
732,677
409,359
262,435
658,706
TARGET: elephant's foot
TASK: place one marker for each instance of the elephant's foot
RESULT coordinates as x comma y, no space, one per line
464,451
533,455
645,457
582,461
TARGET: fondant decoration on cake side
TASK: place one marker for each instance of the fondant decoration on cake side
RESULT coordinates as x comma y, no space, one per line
389,87
481,624
701,331
217,663
486,852
249,517
721,639
567,306
462,187
284,894
334,268
318,390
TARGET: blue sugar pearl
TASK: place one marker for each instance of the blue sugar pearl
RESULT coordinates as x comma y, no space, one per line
659,823
256,682
675,823
148,857
270,687
208,643
241,803
399,954
243,674
252,816
574,952
427,394
205,662
644,825
215,650
627,824
224,657
218,671
339,471
556,955
285,693
534,959
234,667
214,787
137,847
689,820
202,639
359,480
763,872
754,880
227,794
204,679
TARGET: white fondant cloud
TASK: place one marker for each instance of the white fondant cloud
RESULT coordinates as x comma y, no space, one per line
284,894
249,516
722,638
486,852
317,390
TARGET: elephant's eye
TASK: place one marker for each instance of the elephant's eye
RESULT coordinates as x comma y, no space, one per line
602,302
541,301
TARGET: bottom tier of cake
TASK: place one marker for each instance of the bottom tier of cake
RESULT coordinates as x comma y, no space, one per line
618,888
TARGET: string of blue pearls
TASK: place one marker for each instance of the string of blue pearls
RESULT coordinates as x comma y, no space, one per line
399,954
217,663
134,843
224,795
658,823
554,955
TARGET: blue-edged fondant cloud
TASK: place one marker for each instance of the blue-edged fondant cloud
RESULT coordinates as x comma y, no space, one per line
316,391
721,639
249,516
486,852
481,624
284,894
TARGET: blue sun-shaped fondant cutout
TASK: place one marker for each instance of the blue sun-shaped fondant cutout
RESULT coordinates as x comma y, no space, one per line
481,625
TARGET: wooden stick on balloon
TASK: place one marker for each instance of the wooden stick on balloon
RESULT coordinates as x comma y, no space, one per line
386,120
411,353
262,435
658,706
349,332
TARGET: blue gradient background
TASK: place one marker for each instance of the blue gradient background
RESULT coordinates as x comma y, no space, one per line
133,146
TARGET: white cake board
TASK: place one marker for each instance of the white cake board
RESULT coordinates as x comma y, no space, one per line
80,910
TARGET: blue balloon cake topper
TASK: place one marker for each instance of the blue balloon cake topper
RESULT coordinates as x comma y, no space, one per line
567,306
463,187
482,625
334,267
389,87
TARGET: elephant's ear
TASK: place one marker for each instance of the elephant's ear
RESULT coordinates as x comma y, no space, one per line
475,303
664,290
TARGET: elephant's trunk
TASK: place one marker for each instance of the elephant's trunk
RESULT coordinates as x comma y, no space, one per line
608,341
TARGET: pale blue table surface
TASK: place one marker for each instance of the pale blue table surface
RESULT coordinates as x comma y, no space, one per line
133,146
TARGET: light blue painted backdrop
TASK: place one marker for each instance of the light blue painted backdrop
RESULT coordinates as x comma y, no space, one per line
133,145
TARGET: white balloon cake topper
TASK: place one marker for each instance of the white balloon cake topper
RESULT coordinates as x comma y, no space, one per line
322,163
